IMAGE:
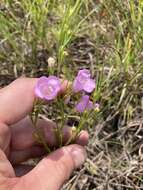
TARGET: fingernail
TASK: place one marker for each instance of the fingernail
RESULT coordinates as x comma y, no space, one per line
79,155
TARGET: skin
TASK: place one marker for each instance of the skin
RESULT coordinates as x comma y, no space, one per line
17,143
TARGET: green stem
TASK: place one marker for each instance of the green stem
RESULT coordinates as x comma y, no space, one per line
62,121
79,128
60,126
42,140
34,119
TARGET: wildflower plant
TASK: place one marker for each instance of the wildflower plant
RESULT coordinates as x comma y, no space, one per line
76,103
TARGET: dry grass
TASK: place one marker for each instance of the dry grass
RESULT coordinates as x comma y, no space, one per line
108,40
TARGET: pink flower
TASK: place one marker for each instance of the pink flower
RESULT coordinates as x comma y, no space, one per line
83,82
96,106
48,87
84,104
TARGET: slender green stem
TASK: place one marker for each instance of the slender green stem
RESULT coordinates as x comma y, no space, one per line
41,139
62,121
78,129
34,118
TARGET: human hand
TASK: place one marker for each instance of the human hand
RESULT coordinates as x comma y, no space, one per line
17,144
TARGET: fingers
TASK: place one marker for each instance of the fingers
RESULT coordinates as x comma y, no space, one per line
53,170
24,146
22,169
23,134
17,157
6,169
16,100
82,139
5,137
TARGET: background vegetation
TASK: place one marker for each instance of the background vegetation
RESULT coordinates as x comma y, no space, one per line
105,36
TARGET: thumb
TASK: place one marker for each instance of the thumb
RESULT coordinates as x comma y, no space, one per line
54,169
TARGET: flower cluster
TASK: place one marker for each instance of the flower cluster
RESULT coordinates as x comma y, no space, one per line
47,88
79,95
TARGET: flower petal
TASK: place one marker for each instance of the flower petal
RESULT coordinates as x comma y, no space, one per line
89,86
77,87
48,87
82,105
80,80
84,72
